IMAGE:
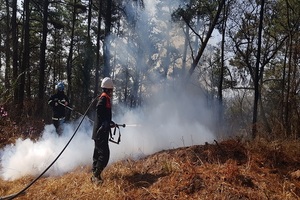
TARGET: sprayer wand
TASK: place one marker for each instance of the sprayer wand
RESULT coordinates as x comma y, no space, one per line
113,125
123,125
68,107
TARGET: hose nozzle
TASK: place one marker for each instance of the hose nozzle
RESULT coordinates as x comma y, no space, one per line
123,125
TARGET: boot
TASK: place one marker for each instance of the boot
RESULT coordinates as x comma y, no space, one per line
96,178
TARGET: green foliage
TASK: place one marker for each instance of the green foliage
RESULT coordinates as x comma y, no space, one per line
196,9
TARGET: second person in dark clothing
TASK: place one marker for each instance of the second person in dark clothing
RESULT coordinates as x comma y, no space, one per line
58,102
101,130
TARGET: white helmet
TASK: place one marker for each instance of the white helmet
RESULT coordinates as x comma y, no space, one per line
107,83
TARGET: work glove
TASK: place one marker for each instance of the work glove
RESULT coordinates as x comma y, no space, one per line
63,102
113,124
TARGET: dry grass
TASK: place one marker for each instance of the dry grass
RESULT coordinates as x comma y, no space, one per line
227,170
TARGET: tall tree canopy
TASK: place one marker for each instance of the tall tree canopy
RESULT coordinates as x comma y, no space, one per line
234,51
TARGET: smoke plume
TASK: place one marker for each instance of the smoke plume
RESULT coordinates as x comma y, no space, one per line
172,116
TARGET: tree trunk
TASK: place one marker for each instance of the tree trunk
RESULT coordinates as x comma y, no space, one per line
96,91
211,28
7,48
220,86
15,49
283,100
43,60
89,59
25,61
288,90
70,56
106,68
186,40
256,80
89,19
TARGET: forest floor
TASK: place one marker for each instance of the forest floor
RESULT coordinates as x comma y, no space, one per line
230,169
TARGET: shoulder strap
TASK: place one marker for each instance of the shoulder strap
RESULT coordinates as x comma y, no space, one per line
108,104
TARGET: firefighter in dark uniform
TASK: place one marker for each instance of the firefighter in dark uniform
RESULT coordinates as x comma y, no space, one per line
58,102
101,130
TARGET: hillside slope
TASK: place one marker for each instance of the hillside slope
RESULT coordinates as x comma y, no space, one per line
227,170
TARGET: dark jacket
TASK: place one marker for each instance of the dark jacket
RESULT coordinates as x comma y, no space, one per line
103,118
58,109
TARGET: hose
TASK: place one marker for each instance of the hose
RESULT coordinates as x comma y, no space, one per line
12,196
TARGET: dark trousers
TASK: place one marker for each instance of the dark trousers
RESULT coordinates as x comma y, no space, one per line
100,156
57,124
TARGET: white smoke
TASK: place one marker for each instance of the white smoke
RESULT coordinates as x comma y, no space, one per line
172,117
168,121
162,126
28,157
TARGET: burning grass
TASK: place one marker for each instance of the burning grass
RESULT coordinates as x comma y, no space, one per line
225,170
